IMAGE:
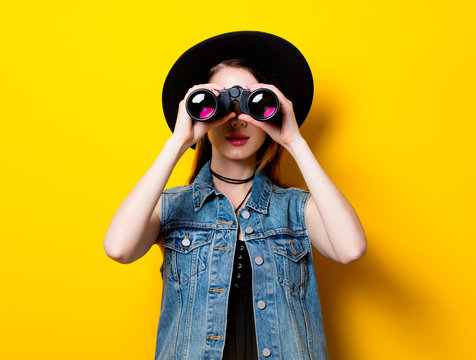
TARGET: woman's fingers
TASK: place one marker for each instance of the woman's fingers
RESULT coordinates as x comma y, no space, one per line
202,127
249,119
222,120
269,127
211,86
287,129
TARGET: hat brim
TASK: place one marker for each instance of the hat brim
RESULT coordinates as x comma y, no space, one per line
271,54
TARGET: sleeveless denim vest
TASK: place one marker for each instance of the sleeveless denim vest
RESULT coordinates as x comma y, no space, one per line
200,229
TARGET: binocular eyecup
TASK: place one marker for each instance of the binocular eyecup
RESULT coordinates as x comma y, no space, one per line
261,104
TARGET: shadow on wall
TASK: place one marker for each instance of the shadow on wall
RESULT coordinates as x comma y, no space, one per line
389,297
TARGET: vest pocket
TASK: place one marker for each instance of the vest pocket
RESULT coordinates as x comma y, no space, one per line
291,262
186,251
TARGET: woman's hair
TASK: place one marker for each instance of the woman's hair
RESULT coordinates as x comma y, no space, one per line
269,154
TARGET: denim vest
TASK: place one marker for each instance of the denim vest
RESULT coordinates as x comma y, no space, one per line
200,230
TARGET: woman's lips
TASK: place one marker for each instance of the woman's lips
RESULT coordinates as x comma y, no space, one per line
237,139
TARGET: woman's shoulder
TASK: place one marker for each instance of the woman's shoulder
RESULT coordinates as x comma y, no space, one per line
178,189
177,203
291,190
289,197
287,208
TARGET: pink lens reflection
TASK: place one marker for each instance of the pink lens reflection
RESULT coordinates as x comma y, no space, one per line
270,111
206,113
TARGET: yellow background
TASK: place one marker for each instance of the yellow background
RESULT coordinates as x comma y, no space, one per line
392,123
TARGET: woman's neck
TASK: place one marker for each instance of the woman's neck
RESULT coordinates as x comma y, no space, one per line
235,169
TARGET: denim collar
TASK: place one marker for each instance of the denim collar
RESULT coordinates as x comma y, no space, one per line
258,200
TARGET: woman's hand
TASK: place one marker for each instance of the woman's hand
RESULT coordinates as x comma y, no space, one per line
188,131
284,133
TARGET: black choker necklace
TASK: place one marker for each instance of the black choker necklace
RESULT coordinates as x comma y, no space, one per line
230,180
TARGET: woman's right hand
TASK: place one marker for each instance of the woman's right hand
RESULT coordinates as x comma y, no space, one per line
188,131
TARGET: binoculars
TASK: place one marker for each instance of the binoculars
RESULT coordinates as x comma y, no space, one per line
261,104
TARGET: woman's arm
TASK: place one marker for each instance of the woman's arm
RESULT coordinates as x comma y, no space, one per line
135,226
333,225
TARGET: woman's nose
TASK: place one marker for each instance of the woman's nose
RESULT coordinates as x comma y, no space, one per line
237,123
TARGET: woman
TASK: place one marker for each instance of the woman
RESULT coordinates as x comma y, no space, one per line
238,275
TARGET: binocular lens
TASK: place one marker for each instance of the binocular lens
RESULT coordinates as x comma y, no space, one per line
263,104
202,104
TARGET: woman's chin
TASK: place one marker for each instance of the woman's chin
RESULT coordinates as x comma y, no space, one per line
237,153
234,152
239,156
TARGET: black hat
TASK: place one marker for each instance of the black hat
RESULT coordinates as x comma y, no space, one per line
270,54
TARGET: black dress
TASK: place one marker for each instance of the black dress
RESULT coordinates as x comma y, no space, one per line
240,340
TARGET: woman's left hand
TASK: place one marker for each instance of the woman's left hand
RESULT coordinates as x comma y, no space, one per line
284,133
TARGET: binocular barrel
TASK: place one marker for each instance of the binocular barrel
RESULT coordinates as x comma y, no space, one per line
260,104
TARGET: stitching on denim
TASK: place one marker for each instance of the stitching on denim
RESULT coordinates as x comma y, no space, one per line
188,317
285,266
214,337
197,225
216,290
163,210
261,235
295,258
225,222
307,323
307,239
179,313
222,248
175,244
178,189
281,190
303,199
293,313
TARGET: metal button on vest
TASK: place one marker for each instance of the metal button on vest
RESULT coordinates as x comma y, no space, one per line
245,214
249,230
261,304
266,352
259,260
185,242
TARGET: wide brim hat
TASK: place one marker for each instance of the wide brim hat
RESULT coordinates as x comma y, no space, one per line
270,54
